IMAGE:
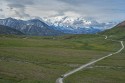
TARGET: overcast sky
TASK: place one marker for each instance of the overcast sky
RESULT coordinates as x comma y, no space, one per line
101,10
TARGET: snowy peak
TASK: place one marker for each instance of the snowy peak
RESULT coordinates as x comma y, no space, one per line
70,21
76,22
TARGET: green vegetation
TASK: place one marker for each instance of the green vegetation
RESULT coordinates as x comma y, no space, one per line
43,59
117,33
110,70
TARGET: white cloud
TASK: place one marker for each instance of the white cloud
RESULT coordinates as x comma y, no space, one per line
72,14
106,10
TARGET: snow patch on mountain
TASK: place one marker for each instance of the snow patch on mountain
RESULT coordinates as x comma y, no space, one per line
57,25
76,22
73,24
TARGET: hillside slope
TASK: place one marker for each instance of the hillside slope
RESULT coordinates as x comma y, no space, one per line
118,32
8,30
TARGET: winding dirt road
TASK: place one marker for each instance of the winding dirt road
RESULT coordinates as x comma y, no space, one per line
60,79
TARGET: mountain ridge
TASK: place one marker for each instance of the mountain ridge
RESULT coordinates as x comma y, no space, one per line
56,26
30,27
122,24
77,25
7,30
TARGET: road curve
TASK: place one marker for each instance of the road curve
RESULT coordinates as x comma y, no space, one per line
60,79
105,36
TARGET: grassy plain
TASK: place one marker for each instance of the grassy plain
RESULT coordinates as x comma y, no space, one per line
110,70
43,59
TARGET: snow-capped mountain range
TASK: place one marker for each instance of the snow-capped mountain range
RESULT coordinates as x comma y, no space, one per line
76,22
77,25
57,25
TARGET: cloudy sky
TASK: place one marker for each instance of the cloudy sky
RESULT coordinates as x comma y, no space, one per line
101,10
